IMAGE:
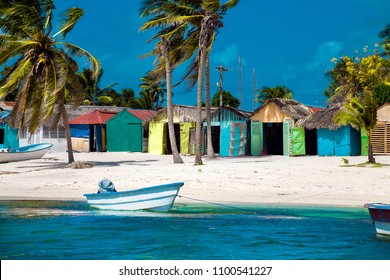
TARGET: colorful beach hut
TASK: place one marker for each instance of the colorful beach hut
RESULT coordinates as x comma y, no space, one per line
184,118
381,133
333,139
273,129
88,131
8,135
229,130
127,131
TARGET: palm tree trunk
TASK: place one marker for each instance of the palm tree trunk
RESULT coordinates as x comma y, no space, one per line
171,129
65,121
198,130
210,149
371,158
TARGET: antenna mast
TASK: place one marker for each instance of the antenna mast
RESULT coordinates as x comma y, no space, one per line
254,88
240,80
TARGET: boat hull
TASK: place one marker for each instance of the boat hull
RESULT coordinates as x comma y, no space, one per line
380,216
156,198
35,151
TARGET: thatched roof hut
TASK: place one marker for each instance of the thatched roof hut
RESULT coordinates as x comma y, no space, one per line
74,112
322,119
279,110
181,113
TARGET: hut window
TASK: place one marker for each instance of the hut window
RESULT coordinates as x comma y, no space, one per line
46,132
23,133
56,132
61,132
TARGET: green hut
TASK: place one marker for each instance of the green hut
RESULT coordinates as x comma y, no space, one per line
273,129
126,132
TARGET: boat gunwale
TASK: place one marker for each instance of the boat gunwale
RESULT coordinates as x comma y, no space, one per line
381,206
145,190
46,146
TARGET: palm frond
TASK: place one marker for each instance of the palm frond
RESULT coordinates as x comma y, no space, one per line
12,49
77,51
71,17
16,77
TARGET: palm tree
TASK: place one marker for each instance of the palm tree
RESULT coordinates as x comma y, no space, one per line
267,93
92,93
44,69
361,113
165,48
385,35
183,19
154,88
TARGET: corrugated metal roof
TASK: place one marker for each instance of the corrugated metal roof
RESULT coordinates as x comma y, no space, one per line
95,117
6,105
142,114
315,109
4,114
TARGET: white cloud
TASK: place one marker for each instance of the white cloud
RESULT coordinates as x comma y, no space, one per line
325,52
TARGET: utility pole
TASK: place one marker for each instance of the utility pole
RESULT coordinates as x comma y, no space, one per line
254,88
240,79
221,69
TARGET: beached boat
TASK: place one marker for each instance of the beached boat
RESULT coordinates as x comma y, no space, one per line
35,151
380,216
155,198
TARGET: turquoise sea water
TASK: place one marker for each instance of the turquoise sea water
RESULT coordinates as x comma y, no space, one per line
58,230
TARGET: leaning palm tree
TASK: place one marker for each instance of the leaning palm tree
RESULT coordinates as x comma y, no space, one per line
165,48
361,113
44,69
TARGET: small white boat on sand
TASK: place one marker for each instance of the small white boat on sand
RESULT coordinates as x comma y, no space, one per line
35,151
154,198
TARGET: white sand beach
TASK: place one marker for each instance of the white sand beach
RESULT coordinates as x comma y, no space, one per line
309,180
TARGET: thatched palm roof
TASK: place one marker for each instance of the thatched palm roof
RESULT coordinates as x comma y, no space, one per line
289,106
73,112
183,112
322,119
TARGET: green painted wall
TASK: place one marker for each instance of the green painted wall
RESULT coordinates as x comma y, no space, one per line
124,133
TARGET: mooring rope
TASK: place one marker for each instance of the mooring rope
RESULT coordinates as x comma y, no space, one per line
218,204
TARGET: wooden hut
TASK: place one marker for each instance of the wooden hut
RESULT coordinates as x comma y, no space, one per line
88,131
273,129
127,131
184,118
381,134
230,131
332,139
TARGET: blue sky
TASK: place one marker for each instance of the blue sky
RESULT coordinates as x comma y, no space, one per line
284,42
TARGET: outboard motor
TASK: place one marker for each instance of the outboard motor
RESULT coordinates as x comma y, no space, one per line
106,185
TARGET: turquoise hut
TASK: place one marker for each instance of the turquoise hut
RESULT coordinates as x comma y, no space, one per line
8,135
333,139
229,129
